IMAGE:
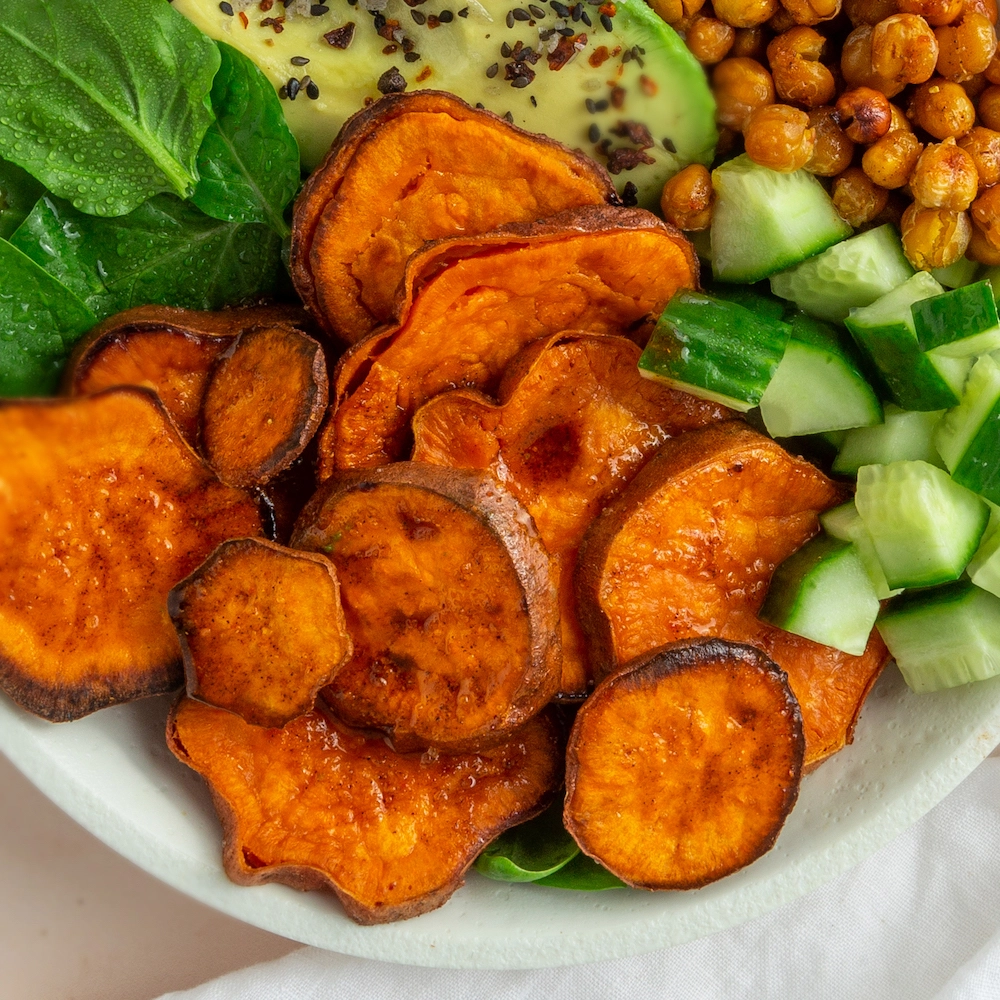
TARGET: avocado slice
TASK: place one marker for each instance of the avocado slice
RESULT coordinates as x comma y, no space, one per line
633,97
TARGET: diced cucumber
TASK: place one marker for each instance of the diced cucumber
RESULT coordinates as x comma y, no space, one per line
924,526
904,434
968,436
885,331
984,566
845,522
822,592
962,323
764,220
962,272
714,349
756,298
818,386
849,275
944,637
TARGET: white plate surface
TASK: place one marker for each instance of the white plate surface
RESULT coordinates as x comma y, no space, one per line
113,774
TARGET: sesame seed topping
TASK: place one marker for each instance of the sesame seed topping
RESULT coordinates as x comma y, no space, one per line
593,133
585,17
520,14
630,195
510,19
299,60
491,71
606,22
418,16
446,17
505,50
534,101
411,56
560,8
292,88
668,145
226,8
312,91
318,9
508,117
566,32
536,11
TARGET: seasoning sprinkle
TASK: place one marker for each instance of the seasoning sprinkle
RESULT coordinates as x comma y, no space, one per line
536,11
520,14
560,8
509,118
534,101
378,20
577,12
226,8
312,91
491,71
411,56
510,19
418,16
668,145
480,106
606,22
627,56
446,17
519,82
341,38
292,88
318,9
566,32
299,60
544,36
593,133
585,17
391,82
505,50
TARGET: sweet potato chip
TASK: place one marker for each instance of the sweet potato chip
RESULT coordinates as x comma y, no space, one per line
262,404
689,548
574,423
317,805
105,508
682,767
449,602
411,168
471,304
261,629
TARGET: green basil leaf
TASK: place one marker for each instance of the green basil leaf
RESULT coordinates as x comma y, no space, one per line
529,851
18,193
582,873
105,103
166,252
40,320
249,159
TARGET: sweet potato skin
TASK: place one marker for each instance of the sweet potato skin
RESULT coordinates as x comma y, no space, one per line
110,508
683,765
574,423
449,601
408,169
469,306
317,805
261,629
689,548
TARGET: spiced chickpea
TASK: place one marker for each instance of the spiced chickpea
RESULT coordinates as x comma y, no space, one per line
983,145
904,49
989,107
709,39
745,13
934,237
812,11
856,63
988,8
975,85
750,43
687,199
944,177
798,74
864,114
899,121
986,214
890,161
675,11
935,12
856,198
980,249
992,71
942,108
833,151
781,22
780,137
966,46
740,85
869,11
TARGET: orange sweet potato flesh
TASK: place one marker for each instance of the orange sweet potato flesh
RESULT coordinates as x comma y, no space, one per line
471,305
263,403
412,168
574,423
689,548
165,349
261,629
682,767
105,508
316,805
449,602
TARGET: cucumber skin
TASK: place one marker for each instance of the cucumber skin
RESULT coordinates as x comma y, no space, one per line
944,319
979,468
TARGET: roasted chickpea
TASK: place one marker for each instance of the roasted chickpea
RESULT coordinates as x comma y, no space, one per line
945,177
989,108
942,108
980,249
904,49
983,145
798,74
975,85
811,11
988,8
856,198
992,72
834,151
781,22
687,199
899,121
709,39
745,13
740,86
869,11
750,43
780,137
934,237
890,161
856,63
986,214
966,46
864,114
934,12
675,11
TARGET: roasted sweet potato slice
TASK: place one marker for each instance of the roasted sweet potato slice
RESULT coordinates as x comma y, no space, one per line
574,423
165,349
449,601
105,508
682,767
261,629
263,403
412,168
689,548
472,304
316,805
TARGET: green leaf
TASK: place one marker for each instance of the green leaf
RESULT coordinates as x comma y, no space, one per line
529,851
106,103
582,873
18,193
166,252
40,320
249,159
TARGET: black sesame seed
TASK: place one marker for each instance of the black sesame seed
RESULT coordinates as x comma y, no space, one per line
534,101
353,3
318,9
536,11
627,57
480,106
630,195
560,8
312,91
412,56
519,82
283,93
418,16
378,21
545,35
299,60
292,88
590,105
520,14
226,8
593,133
585,17
508,117
668,145
601,105
304,82
505,50
510,19
446,17
639,49
566,32
577,12
491,71
606,22
464,12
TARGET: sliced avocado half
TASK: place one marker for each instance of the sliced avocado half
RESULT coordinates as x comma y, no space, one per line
633,96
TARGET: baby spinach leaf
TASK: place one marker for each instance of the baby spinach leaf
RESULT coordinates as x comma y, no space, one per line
105,103
531,850
166,252
249,159
582,873
18,193
40,320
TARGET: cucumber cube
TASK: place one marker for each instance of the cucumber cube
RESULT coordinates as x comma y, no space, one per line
904,434
984,566
962,323
845,522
